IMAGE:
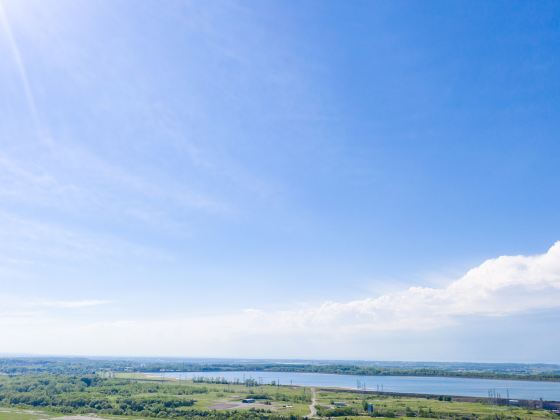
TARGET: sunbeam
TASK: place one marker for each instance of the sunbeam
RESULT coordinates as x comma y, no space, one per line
23,75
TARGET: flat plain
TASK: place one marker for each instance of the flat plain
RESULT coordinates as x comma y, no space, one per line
143,396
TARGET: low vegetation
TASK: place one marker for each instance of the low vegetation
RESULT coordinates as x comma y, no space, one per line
355,406
33,389
132,397
149,398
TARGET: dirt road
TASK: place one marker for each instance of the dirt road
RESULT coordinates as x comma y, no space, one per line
312,409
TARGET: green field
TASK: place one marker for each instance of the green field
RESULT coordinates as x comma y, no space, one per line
14,414
141,396
422,407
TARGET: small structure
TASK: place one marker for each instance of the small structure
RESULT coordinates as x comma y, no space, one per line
339,404
248,401
370,408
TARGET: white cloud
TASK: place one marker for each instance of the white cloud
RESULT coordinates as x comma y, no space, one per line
9,302
25,242
501,286
507,285
70,304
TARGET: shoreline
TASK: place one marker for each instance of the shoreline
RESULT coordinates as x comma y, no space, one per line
522,402
495,378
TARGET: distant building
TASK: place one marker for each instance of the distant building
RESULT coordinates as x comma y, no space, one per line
248,401
339,404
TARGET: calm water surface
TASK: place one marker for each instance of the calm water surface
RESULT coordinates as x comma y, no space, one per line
471,387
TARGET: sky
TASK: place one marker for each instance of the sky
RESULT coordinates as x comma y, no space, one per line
280,179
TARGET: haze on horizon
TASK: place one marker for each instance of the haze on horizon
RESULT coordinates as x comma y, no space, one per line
281,179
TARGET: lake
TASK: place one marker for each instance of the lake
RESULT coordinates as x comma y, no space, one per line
472,387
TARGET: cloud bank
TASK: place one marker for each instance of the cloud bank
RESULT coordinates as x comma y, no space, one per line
499,287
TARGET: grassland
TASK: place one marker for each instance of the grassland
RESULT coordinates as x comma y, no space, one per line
285,400
141,396
420,408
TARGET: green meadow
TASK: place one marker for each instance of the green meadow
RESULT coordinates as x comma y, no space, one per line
392,406
142,396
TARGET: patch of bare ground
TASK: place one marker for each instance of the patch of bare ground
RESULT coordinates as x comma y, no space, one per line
223,406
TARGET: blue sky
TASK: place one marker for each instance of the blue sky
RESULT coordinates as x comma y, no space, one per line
274,172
